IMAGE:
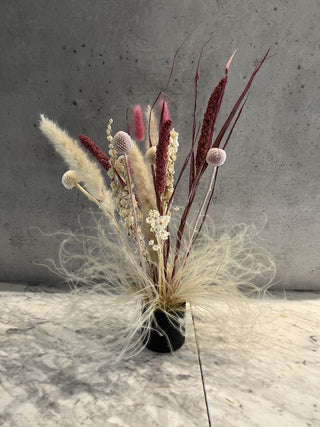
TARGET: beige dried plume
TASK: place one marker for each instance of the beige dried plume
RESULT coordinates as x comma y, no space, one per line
153,126
143,180
86,170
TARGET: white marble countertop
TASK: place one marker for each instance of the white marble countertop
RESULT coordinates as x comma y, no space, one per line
273,381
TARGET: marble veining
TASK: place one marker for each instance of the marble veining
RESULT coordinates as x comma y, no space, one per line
273,382
44,384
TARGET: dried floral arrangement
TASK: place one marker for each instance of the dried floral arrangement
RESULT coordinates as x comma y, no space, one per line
149,252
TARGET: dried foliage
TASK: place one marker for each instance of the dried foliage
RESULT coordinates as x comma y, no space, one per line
147,251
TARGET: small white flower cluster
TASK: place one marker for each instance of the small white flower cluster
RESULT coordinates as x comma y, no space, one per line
158,225
172,152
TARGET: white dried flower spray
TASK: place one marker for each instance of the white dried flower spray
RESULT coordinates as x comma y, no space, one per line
158,226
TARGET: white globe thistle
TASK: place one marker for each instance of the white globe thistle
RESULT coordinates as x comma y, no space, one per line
216,156
122,142
69,179
151,155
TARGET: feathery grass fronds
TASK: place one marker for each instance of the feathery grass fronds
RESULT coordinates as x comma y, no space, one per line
77,160
224,267
143,180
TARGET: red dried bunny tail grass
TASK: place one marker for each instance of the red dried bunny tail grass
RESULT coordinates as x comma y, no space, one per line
95,151
163,111
138,123
208,123
162,158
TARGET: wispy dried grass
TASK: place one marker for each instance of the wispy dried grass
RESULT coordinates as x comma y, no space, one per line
223,268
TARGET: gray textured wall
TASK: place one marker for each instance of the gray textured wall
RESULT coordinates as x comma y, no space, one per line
83,61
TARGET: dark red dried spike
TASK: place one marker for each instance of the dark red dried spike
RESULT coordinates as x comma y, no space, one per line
95,151
208,123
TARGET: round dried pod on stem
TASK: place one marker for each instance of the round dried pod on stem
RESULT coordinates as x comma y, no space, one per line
69,179
122,142
216,156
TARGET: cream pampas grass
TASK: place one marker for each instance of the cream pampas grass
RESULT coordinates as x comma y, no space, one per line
153,128
142,179
86,170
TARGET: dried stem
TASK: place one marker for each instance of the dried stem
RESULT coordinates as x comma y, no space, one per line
209,189
143,265
108,214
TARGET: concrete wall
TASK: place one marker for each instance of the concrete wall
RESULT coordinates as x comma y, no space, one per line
82,61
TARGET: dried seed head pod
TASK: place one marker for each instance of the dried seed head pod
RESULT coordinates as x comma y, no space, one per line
151,155
216,156
122,142
69,179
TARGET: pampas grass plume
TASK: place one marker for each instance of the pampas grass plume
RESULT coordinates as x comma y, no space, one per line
138,123
78,161
143,180
153,127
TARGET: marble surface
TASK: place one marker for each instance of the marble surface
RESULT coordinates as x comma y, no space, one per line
42,383
273,382
270,382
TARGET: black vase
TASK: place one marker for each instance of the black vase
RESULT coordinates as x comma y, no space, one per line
167,331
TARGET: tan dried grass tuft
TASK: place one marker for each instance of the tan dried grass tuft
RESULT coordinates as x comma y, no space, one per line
143,180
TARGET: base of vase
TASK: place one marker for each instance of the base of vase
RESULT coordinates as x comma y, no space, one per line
166,332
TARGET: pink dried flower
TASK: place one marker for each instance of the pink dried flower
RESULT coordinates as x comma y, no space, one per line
216,156
95,151
164,111
138,123
162,157
208,123
122,142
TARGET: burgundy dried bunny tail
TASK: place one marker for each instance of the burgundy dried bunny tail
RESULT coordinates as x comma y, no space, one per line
95,151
